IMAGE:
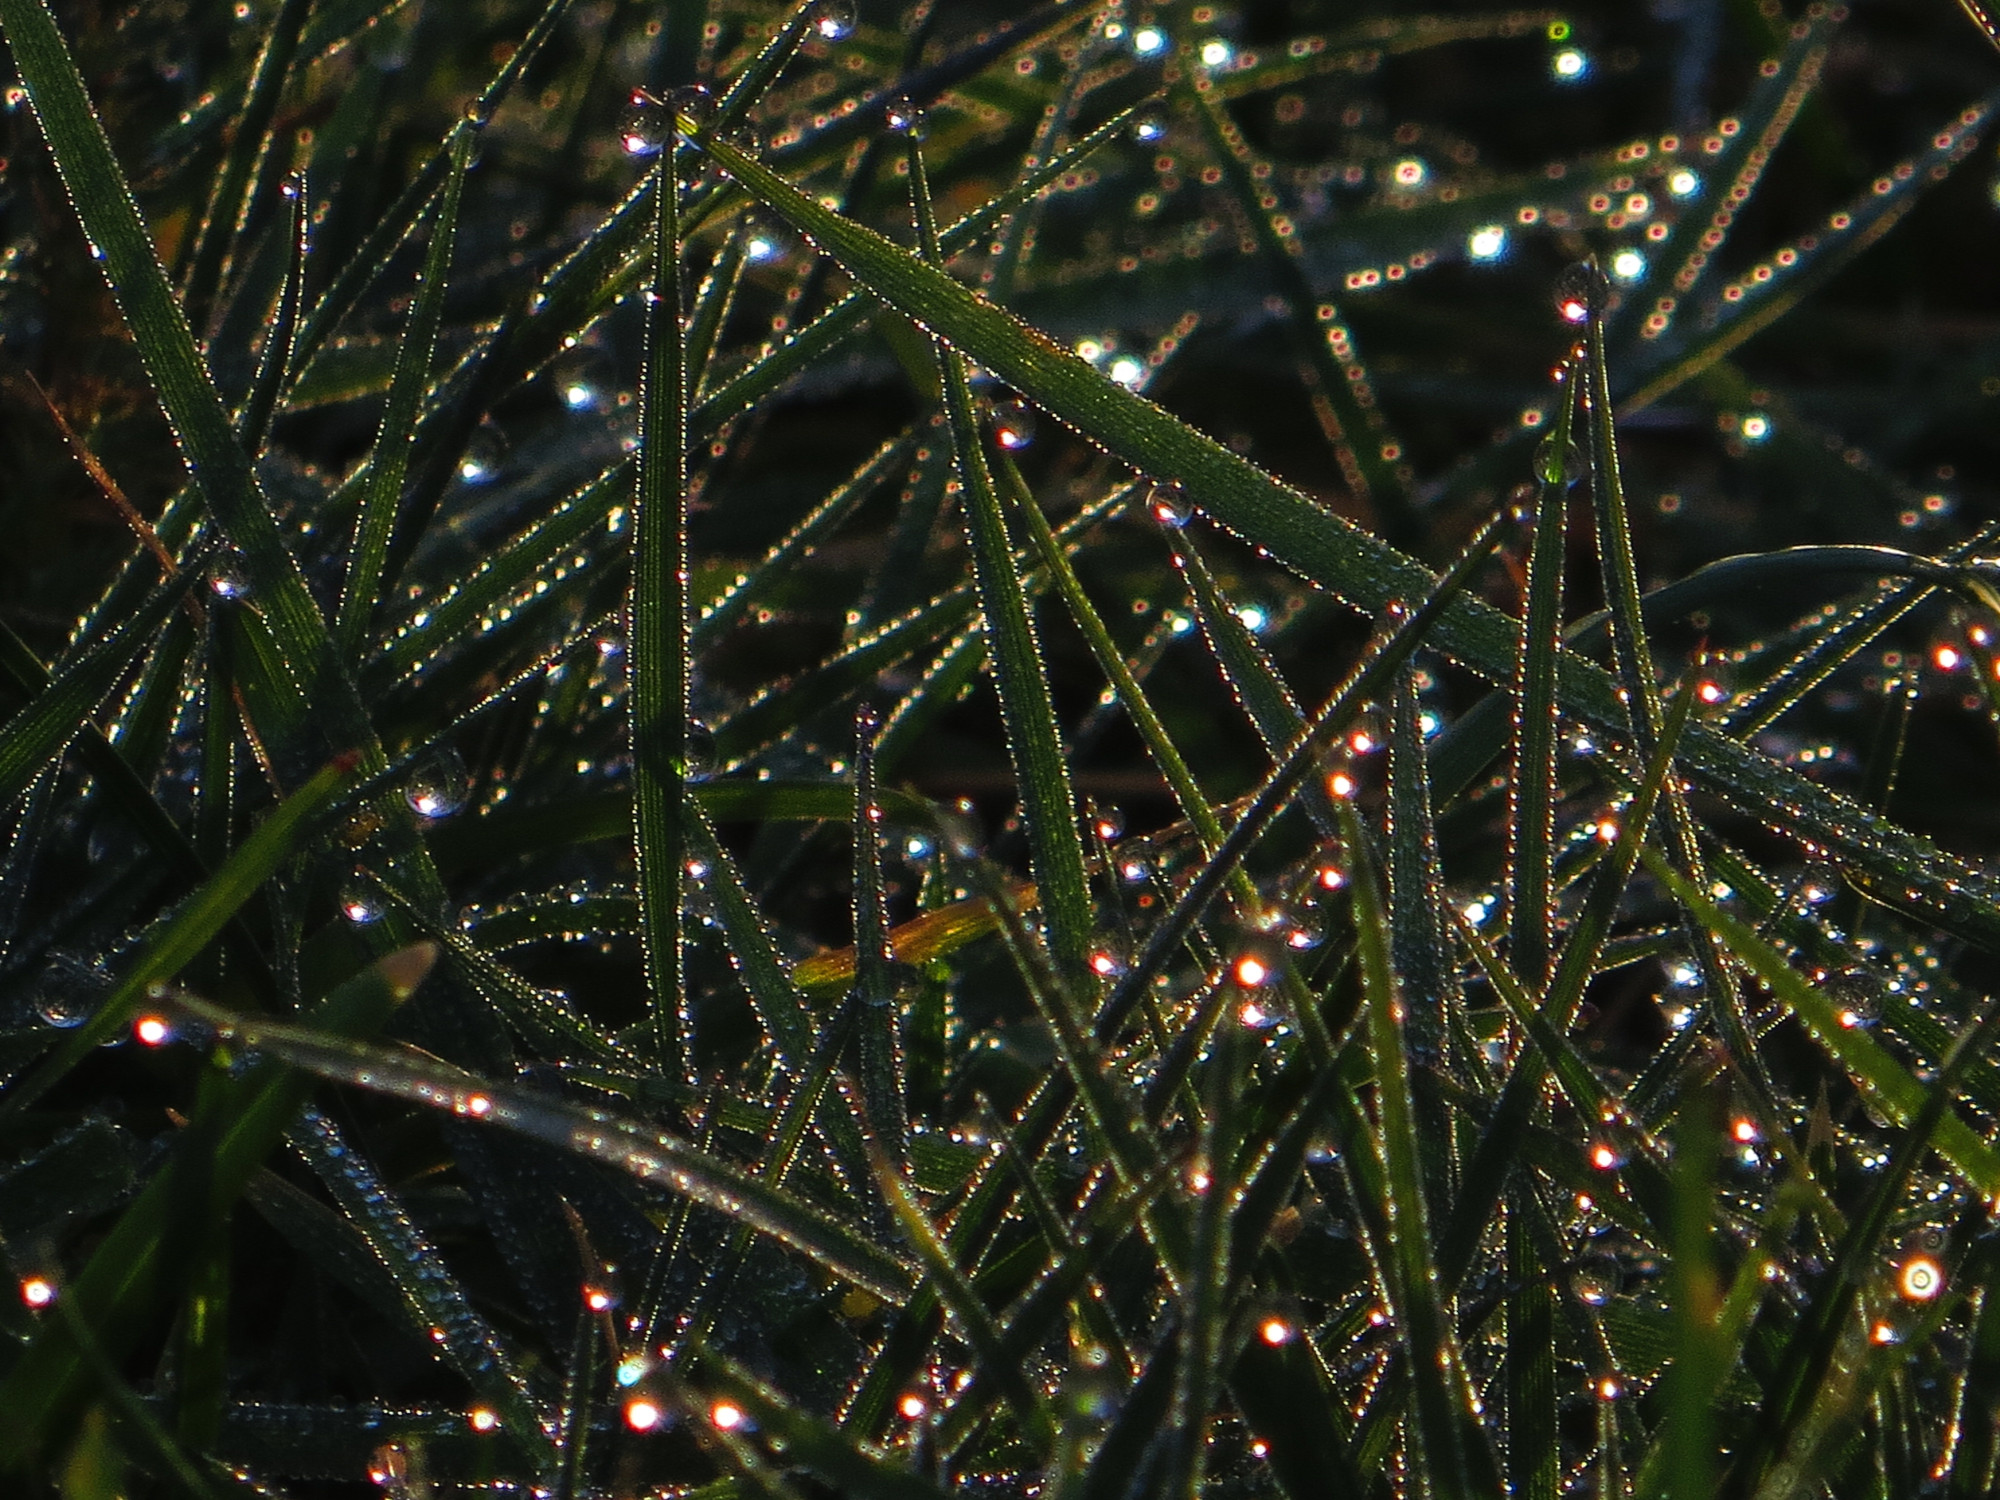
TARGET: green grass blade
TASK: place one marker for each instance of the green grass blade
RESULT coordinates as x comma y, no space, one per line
1448,1445
658,633
874,992
435,1305
1047,804
1531,816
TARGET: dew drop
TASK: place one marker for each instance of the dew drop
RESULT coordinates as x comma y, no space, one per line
700,751
358,900
1580,291
1558,464
229,577
1012,423
906,117
1856,995
485,453
1169,504
439,784
1597,1278
833,20
1149,129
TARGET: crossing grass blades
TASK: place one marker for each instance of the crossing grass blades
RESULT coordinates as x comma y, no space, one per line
689,817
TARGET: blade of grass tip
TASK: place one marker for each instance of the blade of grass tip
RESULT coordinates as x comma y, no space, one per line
1809,1353
1047,803
639,1149
1501,1139
389,462
1342,399
975,1323
658,634
249,139
1533,790
126,1284
275,361
1451,1449
192,927
874,994
1370,679
712,303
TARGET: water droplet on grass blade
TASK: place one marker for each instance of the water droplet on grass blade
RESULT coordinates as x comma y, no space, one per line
1558,463
1580,290
1013,424
833,20
229,576
439,784
906,117
1168,504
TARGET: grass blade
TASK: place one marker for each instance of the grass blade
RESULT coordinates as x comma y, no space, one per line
658,632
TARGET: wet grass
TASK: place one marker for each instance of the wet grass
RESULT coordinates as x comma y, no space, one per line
1005,750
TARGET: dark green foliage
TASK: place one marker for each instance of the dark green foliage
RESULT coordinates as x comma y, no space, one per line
1121,752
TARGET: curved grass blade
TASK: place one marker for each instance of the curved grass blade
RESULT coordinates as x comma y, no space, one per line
640,1150
275,359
